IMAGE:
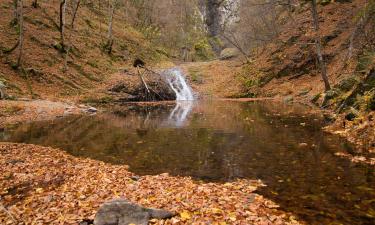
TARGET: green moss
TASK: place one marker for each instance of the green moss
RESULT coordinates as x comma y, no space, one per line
92,63
365,61
316,98
203,50
346,84
97,100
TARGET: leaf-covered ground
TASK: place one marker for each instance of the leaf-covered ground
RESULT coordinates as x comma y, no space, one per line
40,185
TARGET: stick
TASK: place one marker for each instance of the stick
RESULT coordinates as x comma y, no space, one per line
143,81
7,212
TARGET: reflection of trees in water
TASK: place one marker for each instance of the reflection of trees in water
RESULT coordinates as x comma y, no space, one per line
224,142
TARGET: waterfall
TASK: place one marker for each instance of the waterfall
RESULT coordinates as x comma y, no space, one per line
177,82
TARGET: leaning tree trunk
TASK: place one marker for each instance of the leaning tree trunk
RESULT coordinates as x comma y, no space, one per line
75,10
69,47
318,45
21,37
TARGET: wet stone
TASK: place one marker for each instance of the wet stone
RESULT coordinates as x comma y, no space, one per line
123,212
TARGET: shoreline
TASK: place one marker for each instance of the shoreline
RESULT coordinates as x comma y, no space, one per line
48,186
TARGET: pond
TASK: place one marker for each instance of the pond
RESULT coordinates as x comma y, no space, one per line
219,141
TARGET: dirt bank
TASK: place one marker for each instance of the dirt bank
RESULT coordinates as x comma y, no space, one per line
42,185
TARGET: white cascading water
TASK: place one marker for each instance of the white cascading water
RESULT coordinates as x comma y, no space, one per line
177,82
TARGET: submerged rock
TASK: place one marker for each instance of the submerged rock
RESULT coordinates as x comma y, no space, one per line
123,212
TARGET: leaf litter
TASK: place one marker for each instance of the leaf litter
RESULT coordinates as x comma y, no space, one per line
42,185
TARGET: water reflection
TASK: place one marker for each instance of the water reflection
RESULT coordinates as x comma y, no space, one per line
180,112
221,141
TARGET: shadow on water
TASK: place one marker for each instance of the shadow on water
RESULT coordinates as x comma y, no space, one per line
223,141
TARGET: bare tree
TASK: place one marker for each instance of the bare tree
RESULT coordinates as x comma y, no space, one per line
62,23
74,10
318,45
15,12
109,44
21,32
75,6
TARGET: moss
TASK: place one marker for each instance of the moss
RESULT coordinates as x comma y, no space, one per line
346,84
316,98
365,61
196,76
58,47
202,50
92,63
97,100
81,71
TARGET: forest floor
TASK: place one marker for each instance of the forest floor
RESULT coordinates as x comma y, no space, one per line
41,185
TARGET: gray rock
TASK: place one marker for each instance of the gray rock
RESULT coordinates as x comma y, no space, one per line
91,110
123,212
229,53
288,99
2,90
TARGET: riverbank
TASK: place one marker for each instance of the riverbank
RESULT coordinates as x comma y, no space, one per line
47,186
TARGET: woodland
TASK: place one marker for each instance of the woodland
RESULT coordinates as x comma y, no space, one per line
187,112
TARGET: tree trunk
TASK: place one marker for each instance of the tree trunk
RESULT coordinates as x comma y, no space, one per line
16,16
69,47
110,27
318,45
35,4
20,14
62,23
75,10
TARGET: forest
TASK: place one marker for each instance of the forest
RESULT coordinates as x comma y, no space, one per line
118,112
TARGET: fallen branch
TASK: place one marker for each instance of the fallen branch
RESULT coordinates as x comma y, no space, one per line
2,207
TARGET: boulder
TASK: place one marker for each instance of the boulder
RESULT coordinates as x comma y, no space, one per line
123,212
229,53
2,90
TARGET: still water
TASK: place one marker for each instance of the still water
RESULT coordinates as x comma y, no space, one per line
219,141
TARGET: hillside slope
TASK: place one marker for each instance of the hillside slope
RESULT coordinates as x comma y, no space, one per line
88,63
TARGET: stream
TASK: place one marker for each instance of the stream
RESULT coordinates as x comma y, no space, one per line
220,141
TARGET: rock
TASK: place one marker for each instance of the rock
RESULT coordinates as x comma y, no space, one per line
229,53
135,178
302,145
91,110
288,98
352,114
2,90
123,212
86,222
333,93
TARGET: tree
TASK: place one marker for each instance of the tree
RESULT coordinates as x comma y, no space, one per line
109,43
318,45
62,23
74,10
21,31
75,6
15,12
